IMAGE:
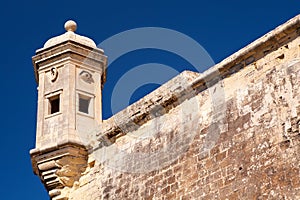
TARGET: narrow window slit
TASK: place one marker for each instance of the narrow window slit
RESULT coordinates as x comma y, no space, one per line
54,104
84,104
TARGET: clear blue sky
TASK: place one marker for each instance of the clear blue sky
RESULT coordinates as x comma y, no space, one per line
221,27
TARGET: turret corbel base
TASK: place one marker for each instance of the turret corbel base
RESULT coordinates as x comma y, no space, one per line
59,167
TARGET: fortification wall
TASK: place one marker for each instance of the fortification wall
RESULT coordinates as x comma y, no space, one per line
230,133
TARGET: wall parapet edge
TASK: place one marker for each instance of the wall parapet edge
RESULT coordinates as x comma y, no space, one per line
138,113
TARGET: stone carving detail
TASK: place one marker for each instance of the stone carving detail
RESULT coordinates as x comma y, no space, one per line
86,77
60,169
53,74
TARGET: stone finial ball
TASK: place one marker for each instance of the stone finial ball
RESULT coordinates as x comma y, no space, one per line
70,25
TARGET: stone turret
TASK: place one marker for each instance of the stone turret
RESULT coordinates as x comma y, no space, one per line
70,72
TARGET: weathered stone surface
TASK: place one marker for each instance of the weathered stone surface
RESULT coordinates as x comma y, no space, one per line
256,155
229,133
60,168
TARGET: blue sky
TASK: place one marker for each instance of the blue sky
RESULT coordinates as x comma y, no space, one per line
221,27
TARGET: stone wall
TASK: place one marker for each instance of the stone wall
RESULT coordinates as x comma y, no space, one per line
230,133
